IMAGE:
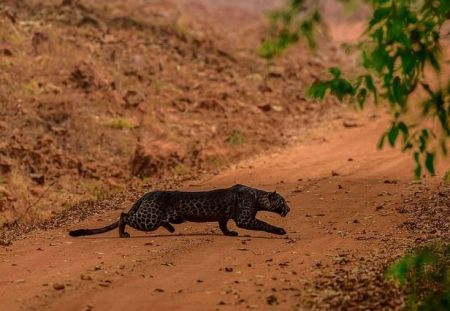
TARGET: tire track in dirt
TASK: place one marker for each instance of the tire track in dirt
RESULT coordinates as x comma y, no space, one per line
350,211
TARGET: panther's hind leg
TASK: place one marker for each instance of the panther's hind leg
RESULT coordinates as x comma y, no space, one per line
122,224
168,226
223,227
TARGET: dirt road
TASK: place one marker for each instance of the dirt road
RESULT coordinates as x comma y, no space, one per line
342,194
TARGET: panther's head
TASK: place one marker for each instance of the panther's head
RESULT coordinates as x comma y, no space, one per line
274,202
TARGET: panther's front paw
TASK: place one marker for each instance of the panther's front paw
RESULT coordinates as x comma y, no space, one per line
232,233
280,231
125,235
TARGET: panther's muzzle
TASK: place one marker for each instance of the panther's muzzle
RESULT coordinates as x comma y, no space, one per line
283,211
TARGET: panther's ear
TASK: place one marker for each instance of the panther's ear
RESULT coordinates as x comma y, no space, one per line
273,194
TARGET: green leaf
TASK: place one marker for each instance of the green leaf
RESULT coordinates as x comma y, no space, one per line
399,271
392,135
336,72
316,16
361,97
444,146
423,138
403,128
418,169
380,59
318,90
358,82
380,143
407,146
379,15
371,86
269,49
399,91
429,163
433,59
408,62
341,88
446,177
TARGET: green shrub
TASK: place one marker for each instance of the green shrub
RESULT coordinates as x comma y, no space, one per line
425,276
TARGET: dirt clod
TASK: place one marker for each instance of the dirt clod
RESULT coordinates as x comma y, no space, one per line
59,286
272,300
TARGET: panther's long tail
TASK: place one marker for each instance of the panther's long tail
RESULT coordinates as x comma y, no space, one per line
81,232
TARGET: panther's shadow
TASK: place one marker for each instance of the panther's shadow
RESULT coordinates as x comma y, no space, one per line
181,235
